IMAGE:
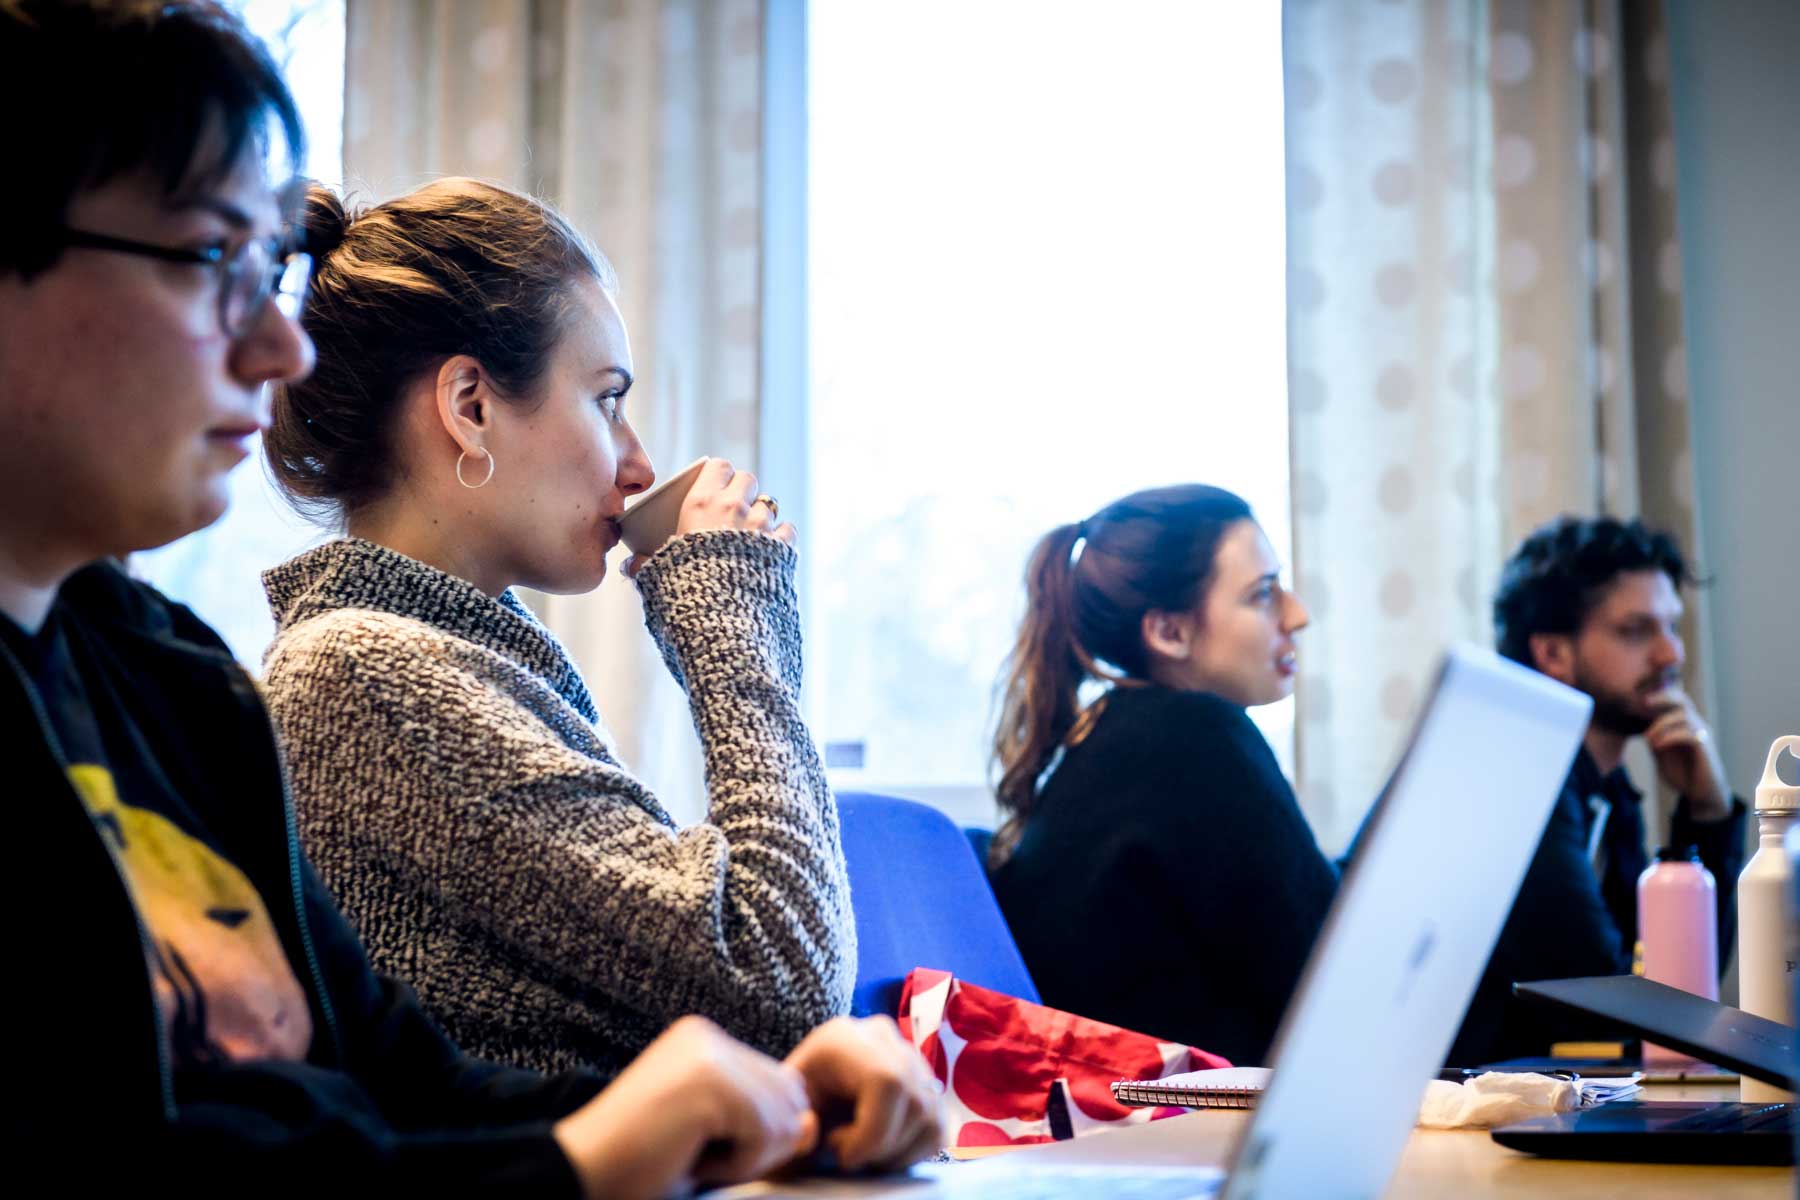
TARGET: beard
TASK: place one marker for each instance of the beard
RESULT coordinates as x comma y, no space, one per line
1621,712
1616,716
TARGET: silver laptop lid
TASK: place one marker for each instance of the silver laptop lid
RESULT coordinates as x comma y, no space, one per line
1415,920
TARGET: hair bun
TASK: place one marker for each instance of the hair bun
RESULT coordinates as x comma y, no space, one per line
323,221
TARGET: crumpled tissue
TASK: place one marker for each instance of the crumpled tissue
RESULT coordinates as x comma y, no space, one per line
1496,1098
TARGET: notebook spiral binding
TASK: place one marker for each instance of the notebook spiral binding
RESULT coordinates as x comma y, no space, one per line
1175,1095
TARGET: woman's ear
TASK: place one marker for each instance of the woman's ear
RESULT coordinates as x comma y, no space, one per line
465,403
1168,635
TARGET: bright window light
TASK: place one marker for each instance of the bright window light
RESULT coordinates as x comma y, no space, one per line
1046,270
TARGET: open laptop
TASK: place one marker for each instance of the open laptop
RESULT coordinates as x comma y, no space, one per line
1384,991
1664,1130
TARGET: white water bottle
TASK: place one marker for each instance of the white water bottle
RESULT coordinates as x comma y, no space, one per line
1765,970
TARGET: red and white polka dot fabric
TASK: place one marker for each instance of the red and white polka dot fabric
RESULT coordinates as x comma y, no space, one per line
1016,1072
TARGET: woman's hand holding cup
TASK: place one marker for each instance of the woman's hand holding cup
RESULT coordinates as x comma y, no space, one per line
726,498
722,497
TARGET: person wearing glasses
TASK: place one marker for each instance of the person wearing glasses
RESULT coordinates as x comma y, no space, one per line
188,1004
1153,864
248,274
468,427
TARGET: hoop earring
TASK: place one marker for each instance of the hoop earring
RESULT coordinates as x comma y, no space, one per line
485,453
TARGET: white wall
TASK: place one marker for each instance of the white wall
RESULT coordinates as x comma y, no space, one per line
1737,138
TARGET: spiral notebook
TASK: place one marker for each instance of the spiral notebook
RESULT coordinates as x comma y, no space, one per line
1220,1087
1239,1087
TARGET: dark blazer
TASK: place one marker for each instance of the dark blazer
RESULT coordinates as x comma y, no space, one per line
383,1101
1167,881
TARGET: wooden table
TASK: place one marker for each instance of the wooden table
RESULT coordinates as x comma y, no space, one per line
1462,1164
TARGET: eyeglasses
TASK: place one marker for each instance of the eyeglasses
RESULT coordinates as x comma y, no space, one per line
248,275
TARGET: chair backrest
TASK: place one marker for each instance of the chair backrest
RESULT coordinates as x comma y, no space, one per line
922,900
980,841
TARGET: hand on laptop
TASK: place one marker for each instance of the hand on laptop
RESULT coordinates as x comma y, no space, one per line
695,1106
698,1107
1686,755
876,1098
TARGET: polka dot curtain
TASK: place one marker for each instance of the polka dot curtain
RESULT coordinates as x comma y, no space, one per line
641,120
1485,330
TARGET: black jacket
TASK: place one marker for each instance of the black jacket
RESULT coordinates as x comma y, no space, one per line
1167,881
1568,922
383,1099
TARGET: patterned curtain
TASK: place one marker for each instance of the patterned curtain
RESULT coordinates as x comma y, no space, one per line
641,120
1485,330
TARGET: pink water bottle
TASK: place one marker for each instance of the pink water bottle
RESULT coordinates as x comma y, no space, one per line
1677,920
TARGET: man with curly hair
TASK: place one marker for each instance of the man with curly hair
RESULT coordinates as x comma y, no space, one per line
1595,603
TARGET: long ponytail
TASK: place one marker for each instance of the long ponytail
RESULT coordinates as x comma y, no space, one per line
1043,676
1087,588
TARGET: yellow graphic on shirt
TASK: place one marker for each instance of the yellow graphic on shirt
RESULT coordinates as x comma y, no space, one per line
223,983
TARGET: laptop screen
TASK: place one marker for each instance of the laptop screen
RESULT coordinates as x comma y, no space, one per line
1706,1029
1405,943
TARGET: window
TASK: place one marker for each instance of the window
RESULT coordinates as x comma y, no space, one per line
1046,269
217,570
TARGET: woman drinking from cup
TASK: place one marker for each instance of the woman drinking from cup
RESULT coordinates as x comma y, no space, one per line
467,427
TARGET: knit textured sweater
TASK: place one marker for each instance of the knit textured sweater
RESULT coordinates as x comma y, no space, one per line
455,792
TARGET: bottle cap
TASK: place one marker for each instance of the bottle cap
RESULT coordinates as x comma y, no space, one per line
1678,854
1775,794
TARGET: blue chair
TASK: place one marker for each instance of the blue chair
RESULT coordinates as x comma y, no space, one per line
980,841
922,900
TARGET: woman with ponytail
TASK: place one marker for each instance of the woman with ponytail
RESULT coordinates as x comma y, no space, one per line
1153,863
